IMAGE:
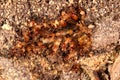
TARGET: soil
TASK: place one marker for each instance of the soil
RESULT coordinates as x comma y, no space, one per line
59,39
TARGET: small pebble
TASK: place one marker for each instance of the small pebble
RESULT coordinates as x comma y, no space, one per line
82,12
91,26
7,27
56,23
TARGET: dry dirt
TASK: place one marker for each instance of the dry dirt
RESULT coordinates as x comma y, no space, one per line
102,62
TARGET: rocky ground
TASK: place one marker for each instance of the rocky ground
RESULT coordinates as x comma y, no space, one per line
59,39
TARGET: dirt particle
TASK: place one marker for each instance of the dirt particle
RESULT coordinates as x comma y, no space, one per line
6,27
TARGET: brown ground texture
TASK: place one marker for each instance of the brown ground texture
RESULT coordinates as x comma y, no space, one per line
59,40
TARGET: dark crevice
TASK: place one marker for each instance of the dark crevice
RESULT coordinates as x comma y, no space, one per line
29,6
47,1
67,0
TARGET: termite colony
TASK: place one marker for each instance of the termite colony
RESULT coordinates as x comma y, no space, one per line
67,36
